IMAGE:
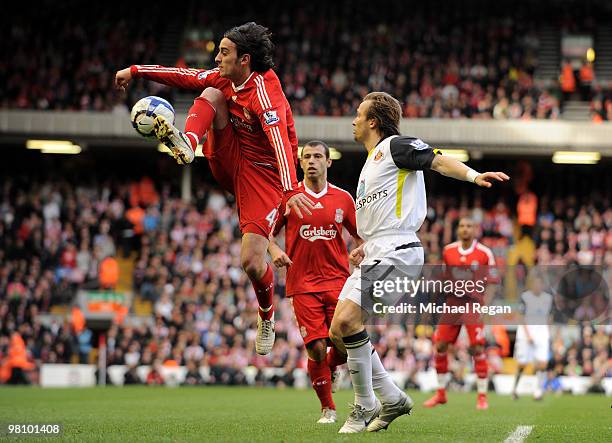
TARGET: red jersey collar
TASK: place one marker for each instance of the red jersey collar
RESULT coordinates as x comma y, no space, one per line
312,193
242,86
468,250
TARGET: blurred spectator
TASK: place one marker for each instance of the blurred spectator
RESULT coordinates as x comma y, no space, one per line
131,376
586,77
154,376
568,80
192,377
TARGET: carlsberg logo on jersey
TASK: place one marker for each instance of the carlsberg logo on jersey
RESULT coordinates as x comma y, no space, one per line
313,233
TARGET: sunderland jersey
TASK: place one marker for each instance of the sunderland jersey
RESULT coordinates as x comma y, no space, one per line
391,191
537,308
314,243
259,113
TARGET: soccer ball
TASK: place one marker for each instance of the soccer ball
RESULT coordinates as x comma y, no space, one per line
146,109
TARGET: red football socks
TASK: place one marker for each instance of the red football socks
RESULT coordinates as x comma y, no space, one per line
199,119
264,289
441,362
320,376
335,358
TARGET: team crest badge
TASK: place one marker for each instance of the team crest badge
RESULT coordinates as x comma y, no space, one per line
339,215
247,114
303,331
379,156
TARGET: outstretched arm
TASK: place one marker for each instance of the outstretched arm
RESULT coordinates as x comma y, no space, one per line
455,169
416,155
184,78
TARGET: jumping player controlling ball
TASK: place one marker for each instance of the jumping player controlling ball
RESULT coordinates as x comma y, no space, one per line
251,150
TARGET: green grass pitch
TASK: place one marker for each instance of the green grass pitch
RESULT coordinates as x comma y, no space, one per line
287,415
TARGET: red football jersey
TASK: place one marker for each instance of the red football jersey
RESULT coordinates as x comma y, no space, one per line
314,243
477,259
477,254
259,112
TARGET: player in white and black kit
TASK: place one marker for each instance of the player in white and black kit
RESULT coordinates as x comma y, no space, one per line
533,337
391,206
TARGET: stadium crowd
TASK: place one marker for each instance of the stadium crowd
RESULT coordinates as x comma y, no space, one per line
459,64
62,61
55,236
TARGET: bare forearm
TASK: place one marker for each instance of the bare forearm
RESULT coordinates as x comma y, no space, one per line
273,248
450,167
169,76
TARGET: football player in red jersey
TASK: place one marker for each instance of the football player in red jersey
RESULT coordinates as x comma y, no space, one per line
465,253
252,150
317,266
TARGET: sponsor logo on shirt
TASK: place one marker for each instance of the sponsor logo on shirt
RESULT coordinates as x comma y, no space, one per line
270,117
339,215
361,202
318,205
312,233
238,123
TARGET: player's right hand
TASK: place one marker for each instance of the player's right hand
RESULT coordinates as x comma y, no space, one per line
281,259
356,256
485,179
122,78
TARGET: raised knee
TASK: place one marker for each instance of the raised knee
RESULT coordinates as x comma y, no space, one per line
214,96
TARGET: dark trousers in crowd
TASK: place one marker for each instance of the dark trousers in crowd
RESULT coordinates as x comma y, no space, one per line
18,377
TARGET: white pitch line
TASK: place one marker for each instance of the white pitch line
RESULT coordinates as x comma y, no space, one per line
519,435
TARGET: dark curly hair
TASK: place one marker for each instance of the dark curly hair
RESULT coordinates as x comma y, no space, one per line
255,40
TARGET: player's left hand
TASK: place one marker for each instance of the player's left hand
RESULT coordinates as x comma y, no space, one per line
281,260
486,178
299,202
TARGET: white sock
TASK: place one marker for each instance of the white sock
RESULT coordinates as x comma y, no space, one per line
387,391
443,380
359,362
481,385
541,378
